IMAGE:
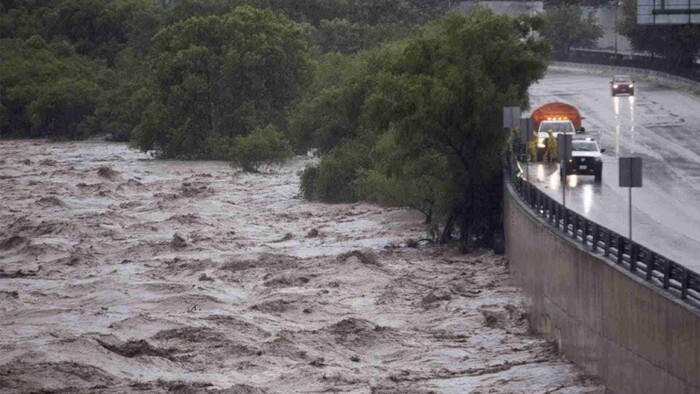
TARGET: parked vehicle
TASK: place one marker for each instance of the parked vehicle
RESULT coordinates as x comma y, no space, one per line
586,159
555,117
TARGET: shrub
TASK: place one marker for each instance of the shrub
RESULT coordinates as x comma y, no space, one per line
334,178
263,147
308,182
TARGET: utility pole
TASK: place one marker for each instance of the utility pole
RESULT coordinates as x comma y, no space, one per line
616,3
564,153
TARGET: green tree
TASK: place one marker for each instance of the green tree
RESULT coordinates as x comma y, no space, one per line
429,121
62,107
222,76
333,179
567,26
395,179
97,48
100,28
126,92
47,89
332,114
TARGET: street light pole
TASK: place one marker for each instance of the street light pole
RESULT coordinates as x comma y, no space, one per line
615,28
617,3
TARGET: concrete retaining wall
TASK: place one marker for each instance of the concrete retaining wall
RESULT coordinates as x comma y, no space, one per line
633,336
660,77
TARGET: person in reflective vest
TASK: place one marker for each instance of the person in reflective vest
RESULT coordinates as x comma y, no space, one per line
551,146
532,147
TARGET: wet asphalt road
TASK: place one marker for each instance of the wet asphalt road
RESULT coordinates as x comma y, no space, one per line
659,124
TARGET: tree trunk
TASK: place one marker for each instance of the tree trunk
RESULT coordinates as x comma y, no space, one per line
447,231
428,216
465,235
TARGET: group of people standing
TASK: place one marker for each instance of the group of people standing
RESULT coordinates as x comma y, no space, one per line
550,148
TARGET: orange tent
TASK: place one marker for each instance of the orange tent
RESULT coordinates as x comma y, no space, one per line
556,110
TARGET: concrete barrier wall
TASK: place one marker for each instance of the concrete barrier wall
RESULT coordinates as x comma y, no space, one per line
633,336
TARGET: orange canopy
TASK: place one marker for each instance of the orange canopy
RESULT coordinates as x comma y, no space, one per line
556,110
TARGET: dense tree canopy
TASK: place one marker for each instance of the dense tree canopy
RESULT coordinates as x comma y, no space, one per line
125,85
222,76
419,122
46,89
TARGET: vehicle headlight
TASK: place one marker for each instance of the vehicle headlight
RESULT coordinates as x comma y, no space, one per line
615,86
631,85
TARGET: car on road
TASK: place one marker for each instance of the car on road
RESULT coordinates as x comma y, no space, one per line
586,158
622,84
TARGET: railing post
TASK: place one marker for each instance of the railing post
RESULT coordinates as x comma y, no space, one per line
634,254
650,264
552,213
667,273
620,249
608,242
543,204
685,283
584,241
596,235
526,192
575,225
565,222
561,215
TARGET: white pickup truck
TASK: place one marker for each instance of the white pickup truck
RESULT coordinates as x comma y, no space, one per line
586,158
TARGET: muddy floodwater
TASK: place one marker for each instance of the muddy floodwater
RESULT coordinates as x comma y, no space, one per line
120,273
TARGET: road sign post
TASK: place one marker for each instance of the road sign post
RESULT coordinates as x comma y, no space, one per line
564,152
526,126
511,116
630,176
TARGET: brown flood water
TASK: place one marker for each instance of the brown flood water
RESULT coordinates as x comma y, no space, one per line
119,273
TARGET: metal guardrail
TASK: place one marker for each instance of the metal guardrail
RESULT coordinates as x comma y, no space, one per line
640,261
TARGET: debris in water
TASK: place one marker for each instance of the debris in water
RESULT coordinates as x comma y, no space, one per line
52,201
136,348
107,173
365,257
178,241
